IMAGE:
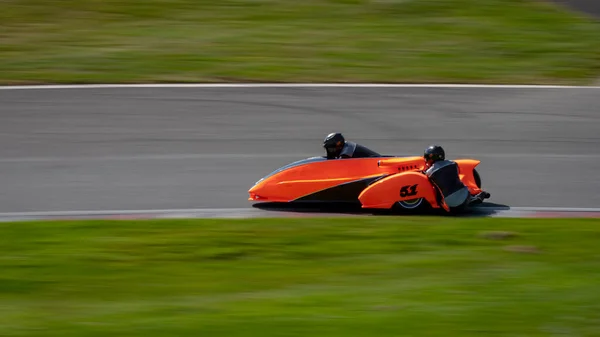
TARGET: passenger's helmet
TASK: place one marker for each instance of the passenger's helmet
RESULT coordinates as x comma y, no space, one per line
434,153
333,144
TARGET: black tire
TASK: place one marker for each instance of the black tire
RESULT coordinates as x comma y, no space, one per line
417,208
477,178
413,204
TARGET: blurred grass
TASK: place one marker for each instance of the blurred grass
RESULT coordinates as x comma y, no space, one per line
475,41
301,277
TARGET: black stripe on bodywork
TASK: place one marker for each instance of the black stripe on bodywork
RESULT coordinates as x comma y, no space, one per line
344,192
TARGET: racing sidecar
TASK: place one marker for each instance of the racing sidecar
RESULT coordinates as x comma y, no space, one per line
385,182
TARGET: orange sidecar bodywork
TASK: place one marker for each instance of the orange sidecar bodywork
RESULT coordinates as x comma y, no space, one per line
378,182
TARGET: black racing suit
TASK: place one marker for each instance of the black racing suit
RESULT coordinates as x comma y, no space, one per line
445,175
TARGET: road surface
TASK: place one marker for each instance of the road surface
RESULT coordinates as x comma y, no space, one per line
175,148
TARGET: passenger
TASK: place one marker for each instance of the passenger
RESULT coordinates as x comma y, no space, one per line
444,173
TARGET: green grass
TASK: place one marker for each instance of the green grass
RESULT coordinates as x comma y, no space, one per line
341,277
468,41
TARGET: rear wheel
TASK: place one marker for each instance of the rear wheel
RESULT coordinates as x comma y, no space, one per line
413,206
410,204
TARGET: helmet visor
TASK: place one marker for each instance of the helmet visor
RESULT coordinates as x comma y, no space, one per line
331,150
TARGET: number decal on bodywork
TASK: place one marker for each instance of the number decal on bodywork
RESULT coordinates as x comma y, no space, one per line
408,190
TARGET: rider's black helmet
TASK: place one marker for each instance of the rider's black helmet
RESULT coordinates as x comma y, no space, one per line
333,144
434,153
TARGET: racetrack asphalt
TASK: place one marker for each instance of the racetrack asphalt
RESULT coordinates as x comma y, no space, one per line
589,7
162,148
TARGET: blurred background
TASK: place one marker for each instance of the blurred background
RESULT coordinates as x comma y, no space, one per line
490,41
93,149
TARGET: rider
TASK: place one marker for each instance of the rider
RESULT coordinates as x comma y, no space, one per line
444,173
336,147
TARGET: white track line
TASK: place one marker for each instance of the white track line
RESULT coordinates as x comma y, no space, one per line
291,85
133,157
126,212
195,156
544,209
223,213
